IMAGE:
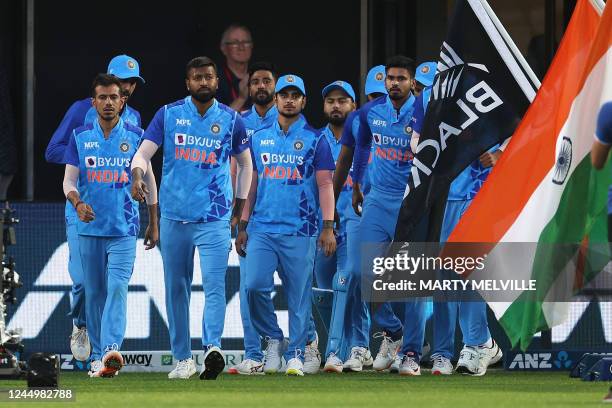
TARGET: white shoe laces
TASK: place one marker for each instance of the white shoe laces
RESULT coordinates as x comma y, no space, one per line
182,365
439,361
112,347
357,353
385,345
80,336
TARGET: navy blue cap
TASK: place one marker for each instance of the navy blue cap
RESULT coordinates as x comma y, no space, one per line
341,85
375,81
290,80
426,72
124,67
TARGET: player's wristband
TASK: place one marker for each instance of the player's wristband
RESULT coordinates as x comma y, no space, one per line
328,224
76,206
242,225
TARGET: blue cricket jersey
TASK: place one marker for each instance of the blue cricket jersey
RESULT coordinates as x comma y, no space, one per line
80,113
287,192
196,185
603,133
351,128
469,182
253,122
344,206
388,132
105,177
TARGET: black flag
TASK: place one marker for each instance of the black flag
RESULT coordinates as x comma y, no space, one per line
479,95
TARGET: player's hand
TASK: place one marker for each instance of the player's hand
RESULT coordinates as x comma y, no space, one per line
236,212
241,241
151,237
327,241
139,190
488,159
357,199
85,212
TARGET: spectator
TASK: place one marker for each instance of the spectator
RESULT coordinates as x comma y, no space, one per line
237,46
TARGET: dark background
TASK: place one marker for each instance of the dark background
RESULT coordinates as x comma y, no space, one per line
318,40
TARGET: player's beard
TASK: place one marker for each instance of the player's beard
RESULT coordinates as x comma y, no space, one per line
336,120
263,98
203,96
290,115
396,96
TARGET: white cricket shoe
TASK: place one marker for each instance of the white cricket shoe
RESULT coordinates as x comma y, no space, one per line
360,357
490,355
95,368
247,367
469,362
441,366
312,357
295,367
79,344
333,364
214,363
387,351
394,369
273,355
409,366
183,370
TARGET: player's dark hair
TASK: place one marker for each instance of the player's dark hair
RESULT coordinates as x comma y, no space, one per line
104,80
200,62
401,61
263,66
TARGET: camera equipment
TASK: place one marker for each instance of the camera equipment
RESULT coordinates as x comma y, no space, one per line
11,346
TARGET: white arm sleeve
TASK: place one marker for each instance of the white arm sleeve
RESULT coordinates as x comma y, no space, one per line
71,176
244,174
143,156
149,179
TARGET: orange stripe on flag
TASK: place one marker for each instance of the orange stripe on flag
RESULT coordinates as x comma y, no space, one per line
531,152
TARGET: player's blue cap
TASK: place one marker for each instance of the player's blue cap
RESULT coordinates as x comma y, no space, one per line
124,67
290,80
341,85
375,81
426,72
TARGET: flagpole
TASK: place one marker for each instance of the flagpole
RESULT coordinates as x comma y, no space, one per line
502,48
517,53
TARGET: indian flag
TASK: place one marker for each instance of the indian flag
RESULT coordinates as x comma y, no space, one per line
544,189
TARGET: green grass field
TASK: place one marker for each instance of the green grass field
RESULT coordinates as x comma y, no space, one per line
496,389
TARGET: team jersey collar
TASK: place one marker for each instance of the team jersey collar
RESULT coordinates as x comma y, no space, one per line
114,130
269,113
406,107
298,124
331,139
194,110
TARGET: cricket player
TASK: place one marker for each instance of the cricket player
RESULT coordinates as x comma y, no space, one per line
480,350
357,317
330,271
80,113
293,165
385,126
98,160
198,135
263,113
601,148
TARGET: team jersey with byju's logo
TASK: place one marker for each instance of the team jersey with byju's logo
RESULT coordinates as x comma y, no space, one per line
196,185
287,192
386,133
469,182
105,177
253,122
80,113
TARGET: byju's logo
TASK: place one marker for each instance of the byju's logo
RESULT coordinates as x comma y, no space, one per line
91,162
179,139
